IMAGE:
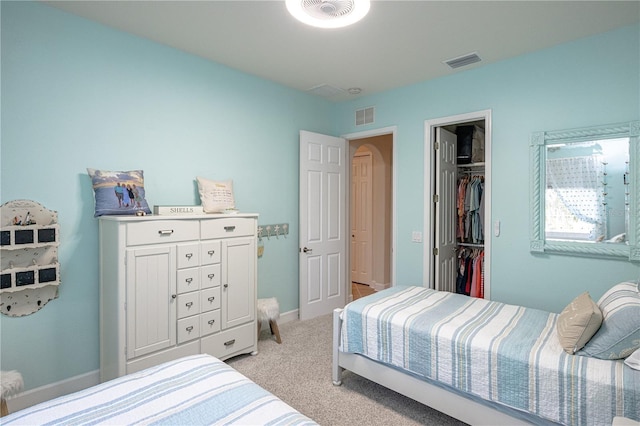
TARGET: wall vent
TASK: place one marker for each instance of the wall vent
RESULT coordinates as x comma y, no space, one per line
365,116
463,61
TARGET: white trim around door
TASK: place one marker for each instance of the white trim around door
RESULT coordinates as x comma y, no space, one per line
430,189
392,130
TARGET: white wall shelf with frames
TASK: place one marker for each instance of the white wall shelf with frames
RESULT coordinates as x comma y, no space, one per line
29,268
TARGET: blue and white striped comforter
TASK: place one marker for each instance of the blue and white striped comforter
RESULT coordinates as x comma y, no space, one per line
502,353
195,390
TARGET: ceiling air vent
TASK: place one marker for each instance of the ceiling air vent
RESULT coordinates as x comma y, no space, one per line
365,116
463,61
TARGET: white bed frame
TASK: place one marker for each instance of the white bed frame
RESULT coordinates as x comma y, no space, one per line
443,400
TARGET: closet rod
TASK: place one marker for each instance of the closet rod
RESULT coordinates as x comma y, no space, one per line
470,165
472,245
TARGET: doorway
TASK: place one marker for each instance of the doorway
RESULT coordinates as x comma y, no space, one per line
371,210
438,272
325,176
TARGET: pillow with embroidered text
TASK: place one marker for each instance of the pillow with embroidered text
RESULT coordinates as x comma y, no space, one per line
118,192
216,196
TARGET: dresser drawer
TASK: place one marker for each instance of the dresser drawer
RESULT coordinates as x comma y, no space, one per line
188,304
161,231
228,227
210,299
230,342
210,322
210,252
188,255
188,280
188,329
210,276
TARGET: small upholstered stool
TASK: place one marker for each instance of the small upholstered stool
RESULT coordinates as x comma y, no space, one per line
10,384
269,310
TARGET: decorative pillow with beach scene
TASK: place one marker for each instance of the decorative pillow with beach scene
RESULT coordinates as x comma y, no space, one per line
118,193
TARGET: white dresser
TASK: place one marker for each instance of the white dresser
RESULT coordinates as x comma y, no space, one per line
172,286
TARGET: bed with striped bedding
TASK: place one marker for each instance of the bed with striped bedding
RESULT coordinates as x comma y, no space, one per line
506,354
195,390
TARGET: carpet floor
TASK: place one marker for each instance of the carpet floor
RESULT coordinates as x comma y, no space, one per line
298,371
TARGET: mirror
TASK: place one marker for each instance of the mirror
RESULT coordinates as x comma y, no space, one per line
584,191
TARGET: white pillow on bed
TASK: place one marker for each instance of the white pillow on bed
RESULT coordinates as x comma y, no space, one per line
633,360
619,335
578,322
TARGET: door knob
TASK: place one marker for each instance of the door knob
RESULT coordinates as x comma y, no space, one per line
307,250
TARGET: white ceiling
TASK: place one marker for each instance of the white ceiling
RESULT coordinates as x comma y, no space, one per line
398,43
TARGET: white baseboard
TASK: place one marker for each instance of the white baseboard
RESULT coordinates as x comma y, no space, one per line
289,316
53,390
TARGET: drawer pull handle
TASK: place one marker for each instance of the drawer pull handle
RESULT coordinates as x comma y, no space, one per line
229,228
190,328
188,304
189,280
230,342
211,322
189,255
165,231
211,276
211,299
173,296
211,252
226,285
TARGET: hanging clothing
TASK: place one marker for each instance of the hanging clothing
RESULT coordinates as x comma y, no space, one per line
470,209
470,272
462,186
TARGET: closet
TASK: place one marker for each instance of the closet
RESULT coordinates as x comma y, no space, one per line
459,207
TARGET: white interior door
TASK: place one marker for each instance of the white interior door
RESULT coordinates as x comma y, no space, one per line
322,224
445,229
361,218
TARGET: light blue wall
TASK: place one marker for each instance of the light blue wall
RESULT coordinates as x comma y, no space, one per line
76,94
591,81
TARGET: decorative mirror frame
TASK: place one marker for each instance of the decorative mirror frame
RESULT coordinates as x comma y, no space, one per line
538,145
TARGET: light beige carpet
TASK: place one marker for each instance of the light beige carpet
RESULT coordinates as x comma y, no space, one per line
298,371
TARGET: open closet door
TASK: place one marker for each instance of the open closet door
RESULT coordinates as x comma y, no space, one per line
445,208
323,232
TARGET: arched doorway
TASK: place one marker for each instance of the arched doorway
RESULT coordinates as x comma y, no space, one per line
370,210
